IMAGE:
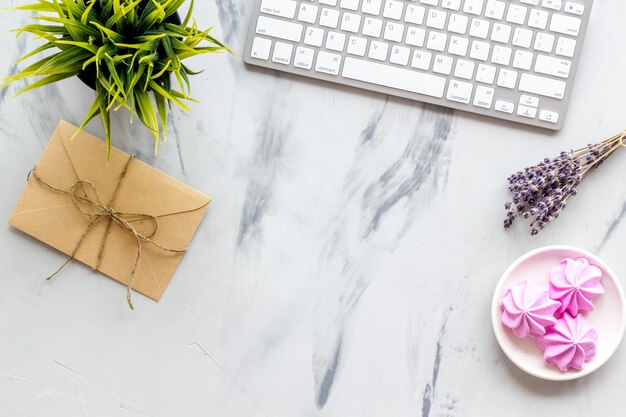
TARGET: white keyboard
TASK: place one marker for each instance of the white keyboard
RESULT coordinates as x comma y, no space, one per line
514,59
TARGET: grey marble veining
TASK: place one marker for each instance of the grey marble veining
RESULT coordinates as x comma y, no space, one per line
345,267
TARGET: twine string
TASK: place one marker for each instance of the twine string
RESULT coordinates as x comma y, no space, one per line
95,209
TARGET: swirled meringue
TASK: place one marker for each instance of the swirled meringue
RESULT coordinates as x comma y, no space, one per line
527,309
569,343
575,283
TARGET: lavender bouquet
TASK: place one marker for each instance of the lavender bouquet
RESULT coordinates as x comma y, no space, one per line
540,192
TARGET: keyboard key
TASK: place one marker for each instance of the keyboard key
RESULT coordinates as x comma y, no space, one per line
394,77
529,101
574,8
501,33
557,67
308,13
451,4
523,37
544,42
566,25
349,4
328,2
414,14
531,2
421,60
415,36
378,51
437,41
372,7
526,111
394,32
479,28
565,47
393,9
329,18
480,50
523,60
314,36
543,86
486,74
507,78
282,8
261,48
279,29
549,116
464,69
458,46
436,19
372,27
538,19
282,53
328,63
442,64
473,6
400,55
357,45
351,22
459,91
303,58
430,2
504,106
458,24
495,9
501,55
552,4
483,97
516,14
335,41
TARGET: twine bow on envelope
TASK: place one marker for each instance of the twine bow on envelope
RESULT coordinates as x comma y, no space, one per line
96,210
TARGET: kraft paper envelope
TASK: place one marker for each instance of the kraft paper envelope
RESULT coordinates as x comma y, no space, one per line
53,218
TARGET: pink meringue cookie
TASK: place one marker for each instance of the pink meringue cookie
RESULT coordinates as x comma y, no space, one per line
527,309
575,284
569,343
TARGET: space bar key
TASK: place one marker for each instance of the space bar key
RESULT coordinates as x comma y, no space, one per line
402,79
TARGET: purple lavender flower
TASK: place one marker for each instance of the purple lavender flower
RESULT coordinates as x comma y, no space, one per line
540,192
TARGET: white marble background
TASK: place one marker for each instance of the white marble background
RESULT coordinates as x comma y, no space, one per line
345,268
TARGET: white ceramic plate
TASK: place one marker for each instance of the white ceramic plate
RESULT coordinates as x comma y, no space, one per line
609,316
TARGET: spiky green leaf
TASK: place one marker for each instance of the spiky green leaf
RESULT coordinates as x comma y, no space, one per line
48,80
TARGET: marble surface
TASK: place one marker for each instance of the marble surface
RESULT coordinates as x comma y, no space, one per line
345,268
